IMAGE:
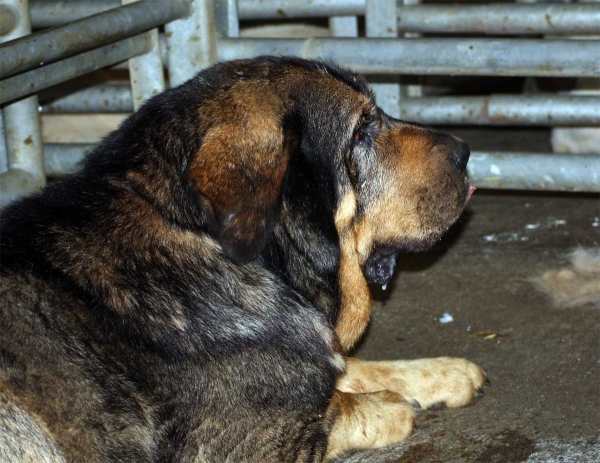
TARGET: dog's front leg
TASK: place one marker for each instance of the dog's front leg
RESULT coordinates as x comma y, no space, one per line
367,420
448,381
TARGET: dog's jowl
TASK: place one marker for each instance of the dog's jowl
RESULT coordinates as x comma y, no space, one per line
191,292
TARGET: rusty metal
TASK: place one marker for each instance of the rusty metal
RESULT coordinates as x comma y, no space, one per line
191,42
35,50
24,150
8,19
146,74
33,81
109,98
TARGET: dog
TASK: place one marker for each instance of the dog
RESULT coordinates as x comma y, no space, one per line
192,291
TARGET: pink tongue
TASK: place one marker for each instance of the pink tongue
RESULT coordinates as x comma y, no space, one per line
471,191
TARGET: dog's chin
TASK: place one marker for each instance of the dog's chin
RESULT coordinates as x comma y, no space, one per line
379,267
381,263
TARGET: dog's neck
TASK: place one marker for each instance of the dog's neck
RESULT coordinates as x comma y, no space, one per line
304,246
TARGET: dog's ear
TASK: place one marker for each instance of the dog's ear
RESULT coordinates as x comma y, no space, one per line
239,173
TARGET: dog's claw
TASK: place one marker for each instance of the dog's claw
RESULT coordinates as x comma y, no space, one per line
415,403
479,392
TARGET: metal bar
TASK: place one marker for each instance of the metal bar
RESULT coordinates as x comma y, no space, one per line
191,42
97,99
536,171
343,26
85,34
3,152
146,74
55,13
380,21
227,22
46,13
538,110
271,9
8,19
409,91
62,158
163,54
498,57
520,19
24,149
529,171
499,110
523,19
33,81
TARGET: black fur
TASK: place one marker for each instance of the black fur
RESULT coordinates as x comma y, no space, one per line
89,343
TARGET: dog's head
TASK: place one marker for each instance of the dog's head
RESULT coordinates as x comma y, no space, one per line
383,185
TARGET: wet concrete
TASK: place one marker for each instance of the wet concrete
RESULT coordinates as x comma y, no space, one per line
544,363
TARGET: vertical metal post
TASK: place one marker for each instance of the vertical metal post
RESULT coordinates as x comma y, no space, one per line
411,91
191,42
343,26
3,154
381,21
25,156
227,21
146,71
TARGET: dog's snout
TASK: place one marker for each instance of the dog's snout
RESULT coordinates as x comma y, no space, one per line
460,155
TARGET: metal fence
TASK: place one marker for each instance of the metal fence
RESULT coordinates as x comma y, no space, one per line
525,40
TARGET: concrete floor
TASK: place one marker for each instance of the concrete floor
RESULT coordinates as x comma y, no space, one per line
544,401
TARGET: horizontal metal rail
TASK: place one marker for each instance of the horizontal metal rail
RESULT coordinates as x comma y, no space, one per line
500,19
32,51
538,110
38,79
55,13
476,57
522,171
62,158
46,13
110,98
279,9
523,19
530,171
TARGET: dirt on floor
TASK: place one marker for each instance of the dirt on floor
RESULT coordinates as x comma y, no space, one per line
544,363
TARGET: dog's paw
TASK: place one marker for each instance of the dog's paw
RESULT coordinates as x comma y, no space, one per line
426,383
366,421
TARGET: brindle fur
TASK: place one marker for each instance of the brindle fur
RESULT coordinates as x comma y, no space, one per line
177,297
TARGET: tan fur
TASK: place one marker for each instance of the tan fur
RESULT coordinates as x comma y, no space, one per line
415,199
365,421
409,205
446,380
244,153
355,309
576,285
23,437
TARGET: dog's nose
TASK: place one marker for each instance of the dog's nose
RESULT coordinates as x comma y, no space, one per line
460,156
